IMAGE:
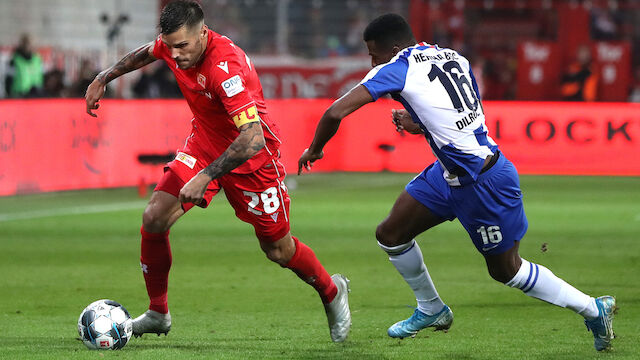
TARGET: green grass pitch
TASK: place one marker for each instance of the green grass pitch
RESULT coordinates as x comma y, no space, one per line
59,252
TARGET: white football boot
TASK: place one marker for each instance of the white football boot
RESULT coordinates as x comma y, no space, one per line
152,322
338,312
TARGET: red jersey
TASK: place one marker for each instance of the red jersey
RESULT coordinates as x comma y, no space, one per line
221,90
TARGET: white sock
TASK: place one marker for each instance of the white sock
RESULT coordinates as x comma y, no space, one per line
407,258
539,282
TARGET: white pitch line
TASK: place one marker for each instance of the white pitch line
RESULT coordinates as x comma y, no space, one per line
90,209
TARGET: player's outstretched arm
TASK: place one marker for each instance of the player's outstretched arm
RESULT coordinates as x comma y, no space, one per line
243,148
132,61
330,122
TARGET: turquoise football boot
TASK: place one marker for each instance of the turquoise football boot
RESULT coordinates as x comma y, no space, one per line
419,321
602,326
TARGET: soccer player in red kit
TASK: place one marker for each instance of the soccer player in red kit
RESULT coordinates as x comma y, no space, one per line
233,146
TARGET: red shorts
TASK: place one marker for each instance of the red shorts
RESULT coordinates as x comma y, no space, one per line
259,198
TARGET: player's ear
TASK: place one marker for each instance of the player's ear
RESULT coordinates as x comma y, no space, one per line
203,31
395,49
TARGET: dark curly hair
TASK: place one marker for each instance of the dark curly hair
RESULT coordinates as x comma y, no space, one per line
389,30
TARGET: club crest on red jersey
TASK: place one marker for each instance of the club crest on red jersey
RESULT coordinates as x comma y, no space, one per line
202,80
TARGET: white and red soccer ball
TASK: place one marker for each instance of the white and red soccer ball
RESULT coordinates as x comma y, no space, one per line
105,324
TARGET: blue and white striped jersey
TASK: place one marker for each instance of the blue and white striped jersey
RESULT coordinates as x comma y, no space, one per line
438,89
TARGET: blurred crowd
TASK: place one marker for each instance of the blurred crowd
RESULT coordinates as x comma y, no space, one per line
491,41
25,77
318,29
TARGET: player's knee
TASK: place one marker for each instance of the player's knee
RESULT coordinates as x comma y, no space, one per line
153,221
281,251
387,236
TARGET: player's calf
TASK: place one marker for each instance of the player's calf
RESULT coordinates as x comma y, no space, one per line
539,282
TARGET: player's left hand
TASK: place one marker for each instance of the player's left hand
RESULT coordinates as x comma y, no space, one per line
307,159
193,191
403,122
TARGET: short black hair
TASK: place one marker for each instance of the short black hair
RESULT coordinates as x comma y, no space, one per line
179,13
389,30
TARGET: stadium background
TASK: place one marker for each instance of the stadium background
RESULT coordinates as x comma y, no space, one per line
307,52
61,250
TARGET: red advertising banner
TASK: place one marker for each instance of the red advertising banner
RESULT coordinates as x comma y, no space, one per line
50,145
568,138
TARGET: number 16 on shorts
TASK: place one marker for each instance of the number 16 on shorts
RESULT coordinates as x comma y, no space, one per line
491,236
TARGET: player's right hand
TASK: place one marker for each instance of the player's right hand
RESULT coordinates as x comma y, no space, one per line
94,93
395,118
307,159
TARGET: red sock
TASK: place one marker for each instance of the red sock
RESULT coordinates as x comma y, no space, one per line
308,268
155,260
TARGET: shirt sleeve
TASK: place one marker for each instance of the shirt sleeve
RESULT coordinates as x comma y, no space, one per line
386,78
159,48
230,85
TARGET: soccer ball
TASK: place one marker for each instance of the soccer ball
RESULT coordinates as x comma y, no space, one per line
105,324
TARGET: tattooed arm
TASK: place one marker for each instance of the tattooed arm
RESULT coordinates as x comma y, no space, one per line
132,61
245,146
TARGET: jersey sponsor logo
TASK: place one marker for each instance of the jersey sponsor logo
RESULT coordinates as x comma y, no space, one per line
202,80
186,159
224,66
420,57
246,116
233,86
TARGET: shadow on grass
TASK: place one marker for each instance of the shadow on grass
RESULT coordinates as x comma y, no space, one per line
258,348
249,348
